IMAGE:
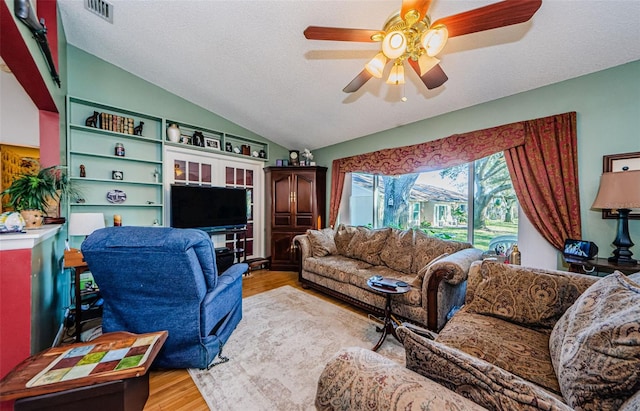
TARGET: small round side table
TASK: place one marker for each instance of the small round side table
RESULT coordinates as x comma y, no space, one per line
387,286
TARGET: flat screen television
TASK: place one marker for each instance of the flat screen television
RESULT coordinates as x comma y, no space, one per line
208,208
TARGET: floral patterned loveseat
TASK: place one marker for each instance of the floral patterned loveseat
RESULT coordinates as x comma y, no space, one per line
340,262
526,339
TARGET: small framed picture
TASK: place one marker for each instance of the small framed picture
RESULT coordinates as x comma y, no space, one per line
212,143
278,163
185,139
117,175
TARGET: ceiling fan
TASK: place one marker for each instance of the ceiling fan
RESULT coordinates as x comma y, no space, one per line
409,35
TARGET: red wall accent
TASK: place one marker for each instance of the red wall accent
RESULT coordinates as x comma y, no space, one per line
15,308
49,138
17,56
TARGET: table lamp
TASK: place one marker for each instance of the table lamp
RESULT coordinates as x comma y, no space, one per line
620,190
83,224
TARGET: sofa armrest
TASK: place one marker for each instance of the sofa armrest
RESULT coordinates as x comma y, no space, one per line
444,285
481,381
360,379
303,250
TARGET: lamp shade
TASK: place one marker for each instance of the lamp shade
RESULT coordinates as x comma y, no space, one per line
85,223
394,44
396,76
376,66
618,189
434,40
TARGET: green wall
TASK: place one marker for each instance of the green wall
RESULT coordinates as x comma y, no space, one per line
608,115
97,80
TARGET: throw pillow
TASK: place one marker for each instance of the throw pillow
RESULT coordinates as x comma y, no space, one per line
595,346
397,252
322,242
520,294
366,244
343,237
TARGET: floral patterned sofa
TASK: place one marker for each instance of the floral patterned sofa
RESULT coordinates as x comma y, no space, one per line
340,262
526,339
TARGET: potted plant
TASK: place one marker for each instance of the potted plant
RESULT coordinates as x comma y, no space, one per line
32,194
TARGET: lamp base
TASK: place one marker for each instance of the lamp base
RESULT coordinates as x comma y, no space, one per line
622,254
622,260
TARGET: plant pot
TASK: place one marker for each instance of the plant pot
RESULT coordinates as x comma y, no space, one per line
33,219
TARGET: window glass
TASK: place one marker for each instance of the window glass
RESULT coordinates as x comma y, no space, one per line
438,202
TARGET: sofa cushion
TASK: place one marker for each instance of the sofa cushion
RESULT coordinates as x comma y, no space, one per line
337,267
595,346
322,242
426,248
521,295
521,351
366,244
484,383
343,237
397,252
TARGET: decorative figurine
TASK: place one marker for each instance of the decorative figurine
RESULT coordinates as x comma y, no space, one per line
93,120
137,130
228,147
83,171
156,174
198,139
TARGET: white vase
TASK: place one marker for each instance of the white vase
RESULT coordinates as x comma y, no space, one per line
173,133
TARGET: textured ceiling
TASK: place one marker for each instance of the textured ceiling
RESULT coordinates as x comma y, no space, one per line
249,62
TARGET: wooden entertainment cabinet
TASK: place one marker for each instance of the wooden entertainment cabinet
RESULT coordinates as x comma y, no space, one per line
295,203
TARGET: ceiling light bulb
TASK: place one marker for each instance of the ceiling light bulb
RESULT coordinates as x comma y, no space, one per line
434,39
396,76
394,44
376,66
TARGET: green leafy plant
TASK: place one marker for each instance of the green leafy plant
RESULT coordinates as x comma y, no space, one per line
36,191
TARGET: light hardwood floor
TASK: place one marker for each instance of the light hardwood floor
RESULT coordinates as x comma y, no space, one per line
174,390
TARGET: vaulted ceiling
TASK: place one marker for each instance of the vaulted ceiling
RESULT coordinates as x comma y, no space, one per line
249,62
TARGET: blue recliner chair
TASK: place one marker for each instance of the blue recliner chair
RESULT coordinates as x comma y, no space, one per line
154,278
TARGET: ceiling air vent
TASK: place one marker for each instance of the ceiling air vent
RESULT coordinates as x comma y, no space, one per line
101,8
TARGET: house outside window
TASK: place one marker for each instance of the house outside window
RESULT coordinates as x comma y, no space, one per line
438,202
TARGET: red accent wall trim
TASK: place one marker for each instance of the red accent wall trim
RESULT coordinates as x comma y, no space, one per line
17,56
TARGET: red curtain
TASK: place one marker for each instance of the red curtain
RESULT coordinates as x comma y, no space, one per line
541,156
432,155
544,172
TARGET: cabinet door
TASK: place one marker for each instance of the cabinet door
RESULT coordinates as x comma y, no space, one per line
282,199
283,255
304,200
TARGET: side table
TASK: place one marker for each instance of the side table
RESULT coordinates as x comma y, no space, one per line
74,260
599,265
389,287
108,373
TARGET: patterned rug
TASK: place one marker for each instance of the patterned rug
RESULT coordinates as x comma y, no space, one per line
279,349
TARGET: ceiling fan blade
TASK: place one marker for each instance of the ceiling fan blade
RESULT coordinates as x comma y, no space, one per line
504,13
340,34
433,78
421,6
358,81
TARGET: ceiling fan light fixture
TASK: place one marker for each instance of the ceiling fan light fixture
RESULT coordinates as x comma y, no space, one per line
375,67
394,44
396,76
434,39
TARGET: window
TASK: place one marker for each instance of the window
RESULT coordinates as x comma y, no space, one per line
439,203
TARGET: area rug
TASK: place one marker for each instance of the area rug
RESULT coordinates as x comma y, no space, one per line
279,349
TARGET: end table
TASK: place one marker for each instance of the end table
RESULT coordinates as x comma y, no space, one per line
108,373
389,287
